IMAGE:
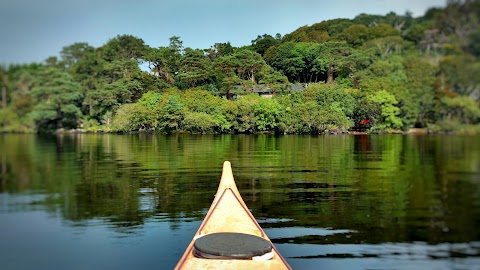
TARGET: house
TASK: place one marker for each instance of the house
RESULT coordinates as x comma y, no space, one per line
261,89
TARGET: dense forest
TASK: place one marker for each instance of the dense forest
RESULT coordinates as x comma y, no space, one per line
374,73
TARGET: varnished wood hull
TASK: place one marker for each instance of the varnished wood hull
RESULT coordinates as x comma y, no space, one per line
228,213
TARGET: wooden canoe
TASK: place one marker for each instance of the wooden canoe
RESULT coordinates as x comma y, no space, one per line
228,213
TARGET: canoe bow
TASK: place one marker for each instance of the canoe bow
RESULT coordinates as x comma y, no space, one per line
229,213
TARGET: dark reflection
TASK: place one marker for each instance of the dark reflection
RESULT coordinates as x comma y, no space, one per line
339,256
383,189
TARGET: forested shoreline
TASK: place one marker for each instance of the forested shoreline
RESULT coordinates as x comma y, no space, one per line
372,73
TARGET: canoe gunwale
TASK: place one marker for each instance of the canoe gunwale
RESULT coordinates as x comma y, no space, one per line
210,213
214,207
227,183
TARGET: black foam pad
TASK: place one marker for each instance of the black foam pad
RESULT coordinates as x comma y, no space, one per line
231,245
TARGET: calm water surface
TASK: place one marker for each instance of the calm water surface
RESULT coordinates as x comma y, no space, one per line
327,202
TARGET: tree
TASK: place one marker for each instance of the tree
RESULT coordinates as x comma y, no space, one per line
415,32
228,83
86,69
288,118
176,45
387,111
249,64
198,122
123,47
245,118
288,61
266,114
195,68
171,114
220,50
262,43
297,61
386,45
299,35
202,101
18,82
462,108
474,46
420,89
336,26
460,20
117,83
129,117
74,53
274,79
159,60
460,73
331,97
3,87
57,99
353,64
150,100
318,120
354,35
225,67
382,30
332,56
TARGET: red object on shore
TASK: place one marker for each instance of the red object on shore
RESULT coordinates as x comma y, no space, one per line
364,122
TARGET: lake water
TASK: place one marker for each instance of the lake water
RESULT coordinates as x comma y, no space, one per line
327,202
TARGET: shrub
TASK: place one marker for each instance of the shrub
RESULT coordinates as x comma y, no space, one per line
198,122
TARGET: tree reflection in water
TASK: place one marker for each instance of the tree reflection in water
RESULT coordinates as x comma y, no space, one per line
379,189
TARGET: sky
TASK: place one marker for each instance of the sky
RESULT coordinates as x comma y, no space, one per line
33,30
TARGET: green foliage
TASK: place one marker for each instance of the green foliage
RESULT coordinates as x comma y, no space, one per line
288,122
315,119
386,46
333,56
75,53
266,113
274,79
454,126
382,30
297,61
410,79
245,114
7,117
462,108
419,96
394,70
92,125
202,101
10,121
123,47
197,100
195,68
129,117
198,122
171,114
162,63
262,43
355,34
249,63
388,112
150,99
332,97
474,46
461,73
57,98
220,50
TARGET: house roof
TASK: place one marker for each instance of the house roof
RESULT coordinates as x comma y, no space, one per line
264,89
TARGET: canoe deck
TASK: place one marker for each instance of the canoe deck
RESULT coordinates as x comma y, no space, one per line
228,213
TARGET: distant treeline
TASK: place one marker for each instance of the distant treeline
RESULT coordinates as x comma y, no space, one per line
376,73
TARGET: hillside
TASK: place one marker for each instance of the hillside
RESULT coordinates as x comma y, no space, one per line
376,73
